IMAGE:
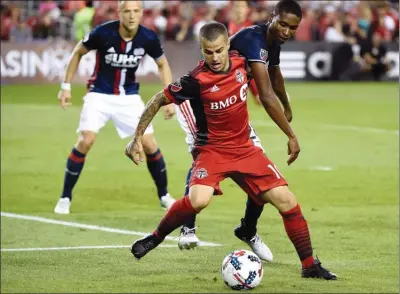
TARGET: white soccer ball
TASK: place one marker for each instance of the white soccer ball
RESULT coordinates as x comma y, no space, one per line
242,270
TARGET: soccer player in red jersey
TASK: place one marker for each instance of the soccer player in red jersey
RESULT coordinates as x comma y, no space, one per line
224,148
261,45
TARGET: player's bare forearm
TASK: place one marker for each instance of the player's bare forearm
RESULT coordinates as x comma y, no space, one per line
269,99
278,85
150,111
274,110
73,63
164,71
72,68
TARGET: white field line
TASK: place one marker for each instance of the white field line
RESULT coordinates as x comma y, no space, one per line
336,128
321,168
74,248
90,227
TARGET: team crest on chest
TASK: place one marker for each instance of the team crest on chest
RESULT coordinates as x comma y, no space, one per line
176,86
201,173
239,76
264,54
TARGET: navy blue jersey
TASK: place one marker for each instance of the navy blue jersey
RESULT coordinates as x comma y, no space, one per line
118,60
251,43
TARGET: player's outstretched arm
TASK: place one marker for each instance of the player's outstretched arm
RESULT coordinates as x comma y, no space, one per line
274,110
64,95
134,150
166,78
278,85
151,109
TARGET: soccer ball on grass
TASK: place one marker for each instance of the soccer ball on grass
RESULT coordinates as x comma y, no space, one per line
242,270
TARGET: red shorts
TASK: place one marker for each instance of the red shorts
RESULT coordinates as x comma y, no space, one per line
250,168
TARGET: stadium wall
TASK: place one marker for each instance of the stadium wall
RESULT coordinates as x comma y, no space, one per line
44,62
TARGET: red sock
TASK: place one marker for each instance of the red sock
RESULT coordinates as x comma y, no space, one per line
180,212
297,231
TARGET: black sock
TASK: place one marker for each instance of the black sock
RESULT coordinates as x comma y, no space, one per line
252,213
75,163
189,174
190,223
158,170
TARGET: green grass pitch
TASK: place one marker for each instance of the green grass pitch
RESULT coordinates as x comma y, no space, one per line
346,180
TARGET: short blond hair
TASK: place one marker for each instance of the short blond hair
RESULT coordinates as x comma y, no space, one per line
120,2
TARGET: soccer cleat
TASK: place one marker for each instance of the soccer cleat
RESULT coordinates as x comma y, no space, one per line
188,238
254,240
166,201
62,206
317,272
143,246
260,248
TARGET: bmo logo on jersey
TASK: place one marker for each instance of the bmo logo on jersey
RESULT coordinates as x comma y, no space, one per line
124,60
231,100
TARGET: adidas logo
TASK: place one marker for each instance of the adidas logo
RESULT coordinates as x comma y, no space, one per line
111,50
214,89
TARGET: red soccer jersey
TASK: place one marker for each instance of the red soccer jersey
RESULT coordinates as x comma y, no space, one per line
218,101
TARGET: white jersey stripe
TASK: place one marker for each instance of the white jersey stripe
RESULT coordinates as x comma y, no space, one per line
122,82
186,117
189,117
190,114
123,71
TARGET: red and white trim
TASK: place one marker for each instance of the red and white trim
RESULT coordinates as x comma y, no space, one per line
189,117
237,278
120,74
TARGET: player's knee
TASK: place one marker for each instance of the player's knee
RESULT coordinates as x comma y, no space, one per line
200,196
286,200
85,142
281,197
199,203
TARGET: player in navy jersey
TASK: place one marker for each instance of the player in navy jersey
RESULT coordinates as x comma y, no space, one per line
261,45
113,94
224,148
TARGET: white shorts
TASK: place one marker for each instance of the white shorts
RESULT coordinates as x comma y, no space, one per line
123,110
187,121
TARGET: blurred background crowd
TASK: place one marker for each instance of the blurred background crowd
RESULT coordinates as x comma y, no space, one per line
333,21
365,25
